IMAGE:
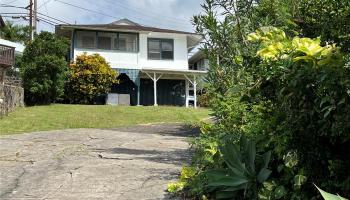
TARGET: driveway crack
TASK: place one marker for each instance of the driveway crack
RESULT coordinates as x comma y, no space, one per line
15,185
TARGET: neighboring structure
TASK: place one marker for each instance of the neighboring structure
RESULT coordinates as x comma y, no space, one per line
10,96
152,62
8,52
198,61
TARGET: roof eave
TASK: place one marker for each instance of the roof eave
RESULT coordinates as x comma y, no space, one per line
89,27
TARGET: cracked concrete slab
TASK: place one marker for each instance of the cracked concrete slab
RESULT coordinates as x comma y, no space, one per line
125,163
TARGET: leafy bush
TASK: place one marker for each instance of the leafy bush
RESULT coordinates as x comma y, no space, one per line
245,170
203,100
43,69
89,77
187,173
286,90
310,95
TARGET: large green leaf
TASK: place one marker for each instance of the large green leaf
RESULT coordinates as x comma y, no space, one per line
328,196
266,158
233,159
228,181
263,175
250,153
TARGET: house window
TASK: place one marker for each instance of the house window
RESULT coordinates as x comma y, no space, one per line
126,42
86,40
160,49
104,40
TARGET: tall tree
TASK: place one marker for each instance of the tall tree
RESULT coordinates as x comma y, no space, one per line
44,68
15,32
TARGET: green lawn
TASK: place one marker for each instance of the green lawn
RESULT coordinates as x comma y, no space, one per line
57,117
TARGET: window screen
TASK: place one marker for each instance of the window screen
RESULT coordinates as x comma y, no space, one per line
104,40
107,41
154,49
160,49
167,50
126,42
86,39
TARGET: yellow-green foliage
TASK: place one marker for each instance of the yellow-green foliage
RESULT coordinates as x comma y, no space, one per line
89,77
275,46
187,173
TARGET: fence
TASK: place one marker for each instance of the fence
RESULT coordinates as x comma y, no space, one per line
10,98
7,55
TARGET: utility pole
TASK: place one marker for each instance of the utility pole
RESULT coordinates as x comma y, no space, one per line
35,16
32,18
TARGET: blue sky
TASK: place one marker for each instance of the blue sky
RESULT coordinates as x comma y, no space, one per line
174,14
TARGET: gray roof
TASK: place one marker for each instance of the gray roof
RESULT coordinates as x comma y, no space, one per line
125,21
124,24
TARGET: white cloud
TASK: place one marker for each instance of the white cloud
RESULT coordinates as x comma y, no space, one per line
175,14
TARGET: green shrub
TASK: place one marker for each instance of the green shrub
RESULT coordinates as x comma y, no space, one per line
89,77
310,95
187,173
203,100
244,171
289,93
43,69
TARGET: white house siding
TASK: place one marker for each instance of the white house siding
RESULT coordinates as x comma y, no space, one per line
140,60
116,59
180,52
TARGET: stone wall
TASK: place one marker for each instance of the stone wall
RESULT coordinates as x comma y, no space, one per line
10,98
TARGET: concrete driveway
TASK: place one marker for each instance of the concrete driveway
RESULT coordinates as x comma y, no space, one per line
125,163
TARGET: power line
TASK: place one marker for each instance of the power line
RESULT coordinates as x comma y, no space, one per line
86,9
150,13
11,6
94,11
53,18
47,20
26,15
44,4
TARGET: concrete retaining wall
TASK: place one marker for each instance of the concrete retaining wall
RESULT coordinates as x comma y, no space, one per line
10,98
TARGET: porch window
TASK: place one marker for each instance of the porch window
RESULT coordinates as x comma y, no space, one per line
126,42
86,40
104,40
160,49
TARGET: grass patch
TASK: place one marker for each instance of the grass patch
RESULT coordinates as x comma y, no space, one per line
59,116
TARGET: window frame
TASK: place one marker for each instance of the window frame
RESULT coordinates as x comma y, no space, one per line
160,48
112,41
76,34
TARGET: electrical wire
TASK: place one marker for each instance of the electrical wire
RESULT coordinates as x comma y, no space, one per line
99,12
11,6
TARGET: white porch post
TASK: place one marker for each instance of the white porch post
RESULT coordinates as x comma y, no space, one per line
155,88
155,80
194,83
187,93
195,90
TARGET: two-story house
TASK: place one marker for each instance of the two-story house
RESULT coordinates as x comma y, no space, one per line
152,62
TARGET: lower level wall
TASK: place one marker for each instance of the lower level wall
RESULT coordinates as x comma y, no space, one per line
10,98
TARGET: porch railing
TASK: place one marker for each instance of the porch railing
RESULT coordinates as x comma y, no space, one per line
7,56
